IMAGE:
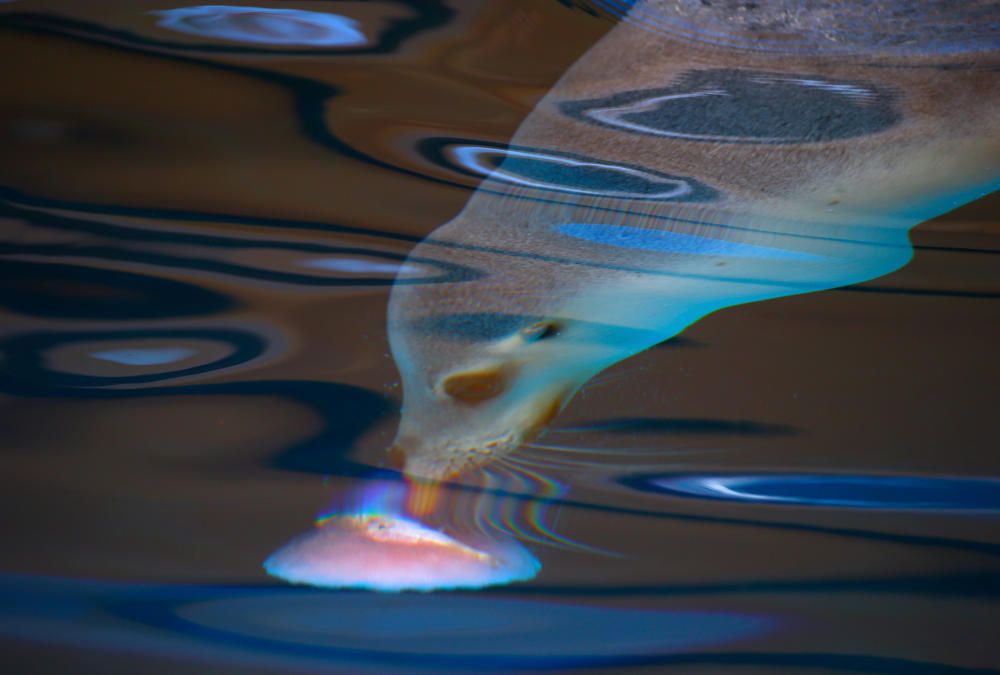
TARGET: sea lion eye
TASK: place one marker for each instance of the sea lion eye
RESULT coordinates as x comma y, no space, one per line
541,330
475,386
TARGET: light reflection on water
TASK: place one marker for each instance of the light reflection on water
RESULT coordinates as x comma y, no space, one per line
920,493
264,25
143,356
375,544
224,237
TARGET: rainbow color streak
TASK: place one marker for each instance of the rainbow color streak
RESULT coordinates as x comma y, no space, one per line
517,499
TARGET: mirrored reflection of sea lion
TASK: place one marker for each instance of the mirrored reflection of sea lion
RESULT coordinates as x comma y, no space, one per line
771,173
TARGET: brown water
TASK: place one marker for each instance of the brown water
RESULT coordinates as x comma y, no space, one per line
199,236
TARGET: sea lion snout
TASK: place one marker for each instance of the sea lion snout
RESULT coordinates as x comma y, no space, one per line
479,382
441,452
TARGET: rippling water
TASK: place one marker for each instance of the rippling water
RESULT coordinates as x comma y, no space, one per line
204,209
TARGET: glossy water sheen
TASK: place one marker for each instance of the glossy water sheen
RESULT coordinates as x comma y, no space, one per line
203,210
838,491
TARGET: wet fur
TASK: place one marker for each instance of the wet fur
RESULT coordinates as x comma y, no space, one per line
941,150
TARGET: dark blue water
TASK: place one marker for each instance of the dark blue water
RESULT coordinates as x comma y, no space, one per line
203,212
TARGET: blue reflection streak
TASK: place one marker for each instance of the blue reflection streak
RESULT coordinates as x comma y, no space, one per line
925,493
623,236
359,266
144,356
264,25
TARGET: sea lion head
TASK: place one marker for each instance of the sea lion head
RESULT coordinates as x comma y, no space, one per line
487,363
466,404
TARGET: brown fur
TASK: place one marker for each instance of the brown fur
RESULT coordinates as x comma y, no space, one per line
936,134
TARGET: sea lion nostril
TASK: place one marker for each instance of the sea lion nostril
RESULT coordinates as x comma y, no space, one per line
475,386
395,458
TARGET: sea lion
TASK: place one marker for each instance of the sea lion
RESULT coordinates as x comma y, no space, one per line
671,173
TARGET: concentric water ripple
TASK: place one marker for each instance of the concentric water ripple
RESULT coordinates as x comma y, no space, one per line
556,171
79,292
124,357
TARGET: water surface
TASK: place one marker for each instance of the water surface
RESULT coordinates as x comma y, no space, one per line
203,213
